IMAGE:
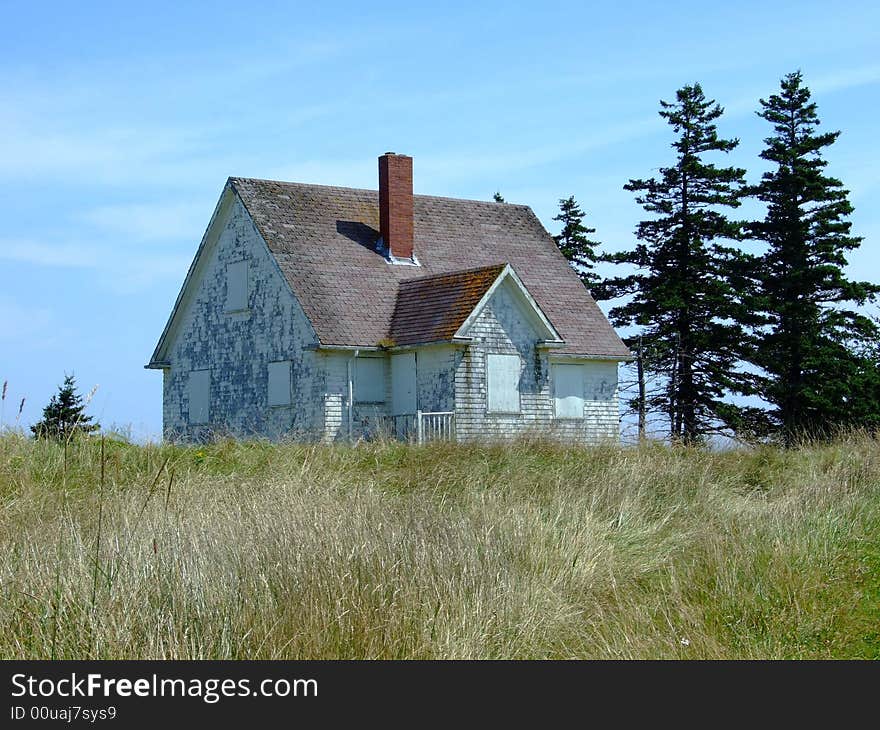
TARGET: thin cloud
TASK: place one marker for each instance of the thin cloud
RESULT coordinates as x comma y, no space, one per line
119,269
458,166
90,124
24,321
822,84
36,151
845,79
60,255
151,221
354,173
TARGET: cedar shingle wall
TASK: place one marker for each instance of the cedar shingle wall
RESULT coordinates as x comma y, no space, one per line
237,347
499,329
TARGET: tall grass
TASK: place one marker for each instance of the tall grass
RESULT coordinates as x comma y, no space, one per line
251,550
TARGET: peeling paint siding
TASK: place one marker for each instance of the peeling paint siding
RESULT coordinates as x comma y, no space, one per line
601,410
335,395
435,378
237,347
170,405
502,328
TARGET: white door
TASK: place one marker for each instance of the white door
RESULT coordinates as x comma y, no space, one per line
403,383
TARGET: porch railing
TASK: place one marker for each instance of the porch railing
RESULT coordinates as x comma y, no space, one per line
423,426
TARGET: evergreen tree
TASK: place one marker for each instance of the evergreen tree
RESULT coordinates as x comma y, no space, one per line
498,197
575,245
688,292
65,415
813,349
860,405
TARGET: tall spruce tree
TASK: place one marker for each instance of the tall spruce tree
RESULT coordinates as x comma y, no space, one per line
65,415
687,294
574,243
814,350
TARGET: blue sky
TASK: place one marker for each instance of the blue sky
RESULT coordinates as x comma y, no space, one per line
119,126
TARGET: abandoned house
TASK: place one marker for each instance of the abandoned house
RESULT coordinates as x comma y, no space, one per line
332,313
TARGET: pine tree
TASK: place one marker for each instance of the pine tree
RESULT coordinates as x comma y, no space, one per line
575,245
688,293
812,349
498,197
65,415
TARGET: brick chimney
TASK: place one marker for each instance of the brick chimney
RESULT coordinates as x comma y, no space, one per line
396,204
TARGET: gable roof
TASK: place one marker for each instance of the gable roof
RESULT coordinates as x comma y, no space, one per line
324,241
433,308
438,308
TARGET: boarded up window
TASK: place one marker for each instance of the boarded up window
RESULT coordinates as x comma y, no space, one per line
199,396
568,387
502,382
403,383
279,383
236,286
369,379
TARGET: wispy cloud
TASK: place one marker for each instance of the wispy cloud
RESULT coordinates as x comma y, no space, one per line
119,269
466,166
158,221
148,121
356,172
827,83
101,154
23,321
845,79
60,255
439,167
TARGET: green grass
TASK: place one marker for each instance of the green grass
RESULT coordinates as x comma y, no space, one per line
252,550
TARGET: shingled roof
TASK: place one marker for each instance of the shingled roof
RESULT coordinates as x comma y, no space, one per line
324,240
432,308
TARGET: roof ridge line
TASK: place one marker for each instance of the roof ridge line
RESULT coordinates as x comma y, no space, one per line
294,183
455,272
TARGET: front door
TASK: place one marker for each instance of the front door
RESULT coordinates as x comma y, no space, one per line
403,383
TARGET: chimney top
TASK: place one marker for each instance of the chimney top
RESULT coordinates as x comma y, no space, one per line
396,206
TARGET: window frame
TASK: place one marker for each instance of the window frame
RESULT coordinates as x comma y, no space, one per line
555,367
286,370
244,299
503,411
358,400
190,415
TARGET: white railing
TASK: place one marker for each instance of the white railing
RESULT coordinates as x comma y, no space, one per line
424,426
437,426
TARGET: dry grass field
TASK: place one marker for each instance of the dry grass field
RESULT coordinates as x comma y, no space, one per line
253,550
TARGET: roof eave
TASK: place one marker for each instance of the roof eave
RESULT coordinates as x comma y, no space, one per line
461,341
455,341
342,348
583,356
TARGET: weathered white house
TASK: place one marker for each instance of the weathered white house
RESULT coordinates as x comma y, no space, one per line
333,313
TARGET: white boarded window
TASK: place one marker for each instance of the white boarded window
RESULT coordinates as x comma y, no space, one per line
236,286
568,390
279,383
369,379
502,382
199,396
